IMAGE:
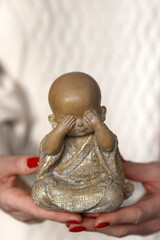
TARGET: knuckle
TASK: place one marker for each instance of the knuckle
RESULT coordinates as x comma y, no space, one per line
18,164
156,228
155,170
21,165
34,221
4,205
121,232
6,208
22,219
139,215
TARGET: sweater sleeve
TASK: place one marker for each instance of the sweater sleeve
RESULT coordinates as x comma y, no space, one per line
13,122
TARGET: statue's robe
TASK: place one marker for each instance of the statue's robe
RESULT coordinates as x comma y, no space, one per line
80,178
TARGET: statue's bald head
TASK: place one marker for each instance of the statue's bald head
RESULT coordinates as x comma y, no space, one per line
74,93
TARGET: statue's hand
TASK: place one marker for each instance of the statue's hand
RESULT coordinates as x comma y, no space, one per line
66,124
93,120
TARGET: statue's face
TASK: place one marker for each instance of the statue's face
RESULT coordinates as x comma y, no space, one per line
81,127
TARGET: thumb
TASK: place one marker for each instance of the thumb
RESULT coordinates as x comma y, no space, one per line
19,165
141,172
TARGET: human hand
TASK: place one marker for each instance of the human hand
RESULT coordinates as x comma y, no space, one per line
92,120
15,198
66,124
142,218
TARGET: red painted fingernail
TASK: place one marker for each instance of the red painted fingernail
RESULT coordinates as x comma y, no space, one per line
74,222
103,224
77,229
32,162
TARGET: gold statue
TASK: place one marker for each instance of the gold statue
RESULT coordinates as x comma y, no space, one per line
80,168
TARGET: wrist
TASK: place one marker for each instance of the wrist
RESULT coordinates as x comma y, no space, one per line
61,132
98,127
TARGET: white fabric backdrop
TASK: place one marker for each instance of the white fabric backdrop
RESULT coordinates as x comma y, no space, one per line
116,42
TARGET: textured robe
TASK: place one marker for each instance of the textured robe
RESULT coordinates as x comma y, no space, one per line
80,177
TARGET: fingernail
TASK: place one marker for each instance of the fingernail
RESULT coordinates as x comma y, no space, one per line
74,222
77,229
32,162
103,224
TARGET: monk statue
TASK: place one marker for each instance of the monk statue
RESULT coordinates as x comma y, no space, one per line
80,167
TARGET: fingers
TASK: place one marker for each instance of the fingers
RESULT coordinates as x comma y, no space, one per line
32,221
24,217
119,230
91,118
17,200
86,224
89,115
87,120
67,118
142,211
142,172
145,228
20,165
70,121
41,213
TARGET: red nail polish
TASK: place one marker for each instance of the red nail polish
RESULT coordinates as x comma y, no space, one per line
77,229
103,224
32,162
74,222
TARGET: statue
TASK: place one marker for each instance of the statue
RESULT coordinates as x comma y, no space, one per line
80,168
